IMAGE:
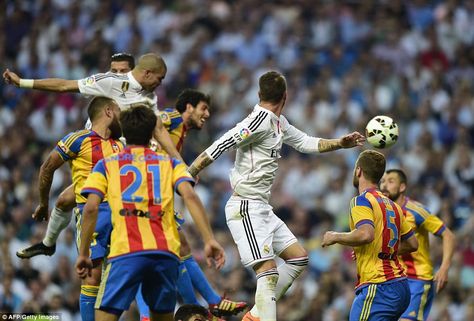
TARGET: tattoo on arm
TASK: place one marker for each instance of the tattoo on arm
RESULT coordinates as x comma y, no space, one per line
328,145
201,162
44,184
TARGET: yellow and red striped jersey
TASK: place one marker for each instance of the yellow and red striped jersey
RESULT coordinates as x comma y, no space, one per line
139,184
173,122
378,262
418,264
83,149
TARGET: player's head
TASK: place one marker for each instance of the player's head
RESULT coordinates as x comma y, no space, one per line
393,183
371,165
103,109
121,63
272,87
191,312
137,125
151,70
194,106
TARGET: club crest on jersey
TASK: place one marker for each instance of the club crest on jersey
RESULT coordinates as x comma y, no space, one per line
164,117
244,133
115,147
125,86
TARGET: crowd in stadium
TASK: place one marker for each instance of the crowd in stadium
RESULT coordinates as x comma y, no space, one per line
344,62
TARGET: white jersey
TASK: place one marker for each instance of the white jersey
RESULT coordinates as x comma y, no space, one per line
123,88
258,139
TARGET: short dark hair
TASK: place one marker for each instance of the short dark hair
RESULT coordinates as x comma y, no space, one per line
122,56
191,96
272,87
401,174
187,310
96,105
372,164
138,124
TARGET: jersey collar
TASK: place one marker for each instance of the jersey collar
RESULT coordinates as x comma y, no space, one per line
272,114
133,81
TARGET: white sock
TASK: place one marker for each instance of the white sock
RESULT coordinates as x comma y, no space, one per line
58,221
265,298
288,272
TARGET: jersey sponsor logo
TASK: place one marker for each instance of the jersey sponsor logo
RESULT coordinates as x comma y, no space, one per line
125,86
140,213
275,153
244,133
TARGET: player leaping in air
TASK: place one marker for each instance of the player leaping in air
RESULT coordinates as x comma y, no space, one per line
259,234
120,63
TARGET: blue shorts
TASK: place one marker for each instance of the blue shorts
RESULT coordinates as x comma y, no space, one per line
103,228
422,293
381,302
156,273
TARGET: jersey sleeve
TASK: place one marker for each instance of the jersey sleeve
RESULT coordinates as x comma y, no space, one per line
248,131
300,141
434,225
96,85
96,182
361,211
180,173
171,119
68,148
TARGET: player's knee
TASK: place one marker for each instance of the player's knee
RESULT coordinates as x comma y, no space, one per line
298,265
66,201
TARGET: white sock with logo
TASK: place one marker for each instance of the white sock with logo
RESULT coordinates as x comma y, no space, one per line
288,272
265,296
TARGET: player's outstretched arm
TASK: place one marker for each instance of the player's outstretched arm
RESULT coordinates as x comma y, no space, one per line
163,137
46,174
347,141
360,236
89,219
449,243
201,162
212,249
49,84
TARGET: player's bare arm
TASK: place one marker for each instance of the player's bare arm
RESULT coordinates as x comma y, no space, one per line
212,249
360,236
201,162
46,173
89,219
408,245
449,243
163,137
348,141
49,84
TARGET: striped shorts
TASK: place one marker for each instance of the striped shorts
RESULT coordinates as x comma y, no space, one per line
259,234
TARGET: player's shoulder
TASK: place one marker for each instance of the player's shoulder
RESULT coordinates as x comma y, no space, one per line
107,76
257,120
76,135
417,207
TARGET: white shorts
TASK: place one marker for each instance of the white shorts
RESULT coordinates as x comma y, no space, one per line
260,235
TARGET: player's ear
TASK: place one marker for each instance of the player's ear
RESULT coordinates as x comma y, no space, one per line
189,107
403,187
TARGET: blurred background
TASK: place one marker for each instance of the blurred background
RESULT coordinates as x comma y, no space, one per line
345,61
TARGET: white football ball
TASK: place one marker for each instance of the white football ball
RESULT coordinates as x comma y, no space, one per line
381,132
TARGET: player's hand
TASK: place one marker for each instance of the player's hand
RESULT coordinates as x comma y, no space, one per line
214,251
352,140
83,266
441,279
329,238
11,78
41,213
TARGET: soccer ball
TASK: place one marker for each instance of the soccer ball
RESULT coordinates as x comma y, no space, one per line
381,132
